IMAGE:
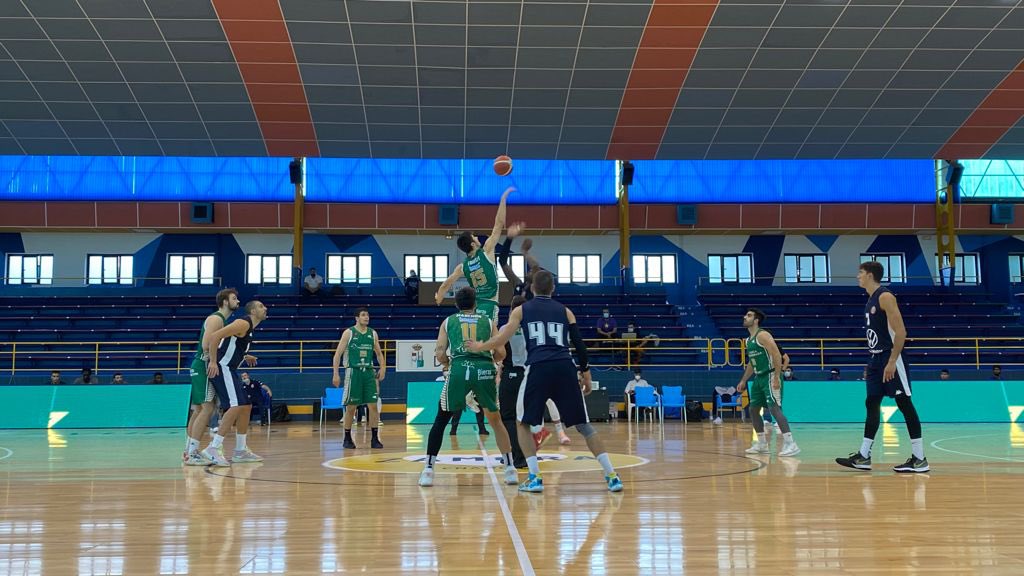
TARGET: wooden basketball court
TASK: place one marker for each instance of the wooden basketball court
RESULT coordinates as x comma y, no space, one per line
118,502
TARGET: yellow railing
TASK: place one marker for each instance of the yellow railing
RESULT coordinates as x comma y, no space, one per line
303,355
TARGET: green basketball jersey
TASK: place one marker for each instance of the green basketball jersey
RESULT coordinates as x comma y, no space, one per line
467,326
758,357
200,353
360,349
482,275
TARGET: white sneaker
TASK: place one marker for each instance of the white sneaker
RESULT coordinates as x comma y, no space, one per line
196,459
427,477
245,456
789,449
471,402
717,421
511,476
757,448
215,456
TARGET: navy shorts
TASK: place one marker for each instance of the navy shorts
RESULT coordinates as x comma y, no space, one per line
230,389
900,383
558,381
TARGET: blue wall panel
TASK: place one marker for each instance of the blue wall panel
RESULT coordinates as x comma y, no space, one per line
766,181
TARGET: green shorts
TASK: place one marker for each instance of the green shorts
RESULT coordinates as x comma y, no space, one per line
488,307
199,381
360,386
761,393
476,376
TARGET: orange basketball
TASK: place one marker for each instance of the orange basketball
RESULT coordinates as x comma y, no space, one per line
502,165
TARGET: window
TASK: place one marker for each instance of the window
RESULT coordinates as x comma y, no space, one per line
731,268
893,263
190,268
654,268
30,269
110,269
579,268
269,269
1017,268
349,269
518,264
966,271
807,268
430,267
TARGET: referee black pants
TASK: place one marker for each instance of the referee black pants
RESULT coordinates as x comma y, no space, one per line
508,395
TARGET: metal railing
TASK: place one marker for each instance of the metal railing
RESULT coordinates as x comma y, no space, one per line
315,355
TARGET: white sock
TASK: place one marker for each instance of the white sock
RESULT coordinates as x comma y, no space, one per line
533,465
917,448
606,463
762,438
787,437
239,442
536,429
217,441
430,461
865,447
192,445
559,428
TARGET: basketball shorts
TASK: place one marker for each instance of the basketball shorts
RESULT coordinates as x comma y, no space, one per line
200,383
360,386
465,376
556,380
230,389
488,307
761,393
900,383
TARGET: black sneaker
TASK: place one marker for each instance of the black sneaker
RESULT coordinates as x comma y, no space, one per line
484,432
520,464
913,465
375,443
348,443
856,461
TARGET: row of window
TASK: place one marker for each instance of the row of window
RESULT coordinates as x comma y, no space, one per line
571,268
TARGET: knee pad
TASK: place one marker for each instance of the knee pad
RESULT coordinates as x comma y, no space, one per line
586,429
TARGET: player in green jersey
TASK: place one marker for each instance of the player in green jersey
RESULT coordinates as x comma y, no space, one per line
764,371
358,346
479,265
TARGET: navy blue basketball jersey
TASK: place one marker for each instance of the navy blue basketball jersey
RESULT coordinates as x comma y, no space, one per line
234,348
879,334
546,327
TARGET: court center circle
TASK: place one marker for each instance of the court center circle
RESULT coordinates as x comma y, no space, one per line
468,462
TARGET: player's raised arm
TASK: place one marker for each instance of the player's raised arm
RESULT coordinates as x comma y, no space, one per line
503,335
499,224
448,282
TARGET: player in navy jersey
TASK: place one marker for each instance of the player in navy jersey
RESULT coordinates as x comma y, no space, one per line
887,373
227,350
549,328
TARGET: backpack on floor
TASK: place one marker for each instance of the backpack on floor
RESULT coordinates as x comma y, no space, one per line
694,411
279,413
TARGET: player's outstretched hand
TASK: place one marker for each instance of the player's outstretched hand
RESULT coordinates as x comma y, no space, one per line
474,346
508,191
515,229
250,360
438,298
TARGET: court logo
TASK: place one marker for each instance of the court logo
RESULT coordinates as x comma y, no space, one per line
468,462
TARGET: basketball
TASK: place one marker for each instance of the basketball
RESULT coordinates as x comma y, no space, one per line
502,165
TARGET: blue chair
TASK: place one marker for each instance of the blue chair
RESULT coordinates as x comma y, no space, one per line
736,404
333,399
646,398
673,397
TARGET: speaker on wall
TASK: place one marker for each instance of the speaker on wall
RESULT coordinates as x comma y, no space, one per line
627,173
1001,214
295,172
202,213
686,214
448,215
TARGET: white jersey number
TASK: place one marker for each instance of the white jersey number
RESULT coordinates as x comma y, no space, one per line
540,332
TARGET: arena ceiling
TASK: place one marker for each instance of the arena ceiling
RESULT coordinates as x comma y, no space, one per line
683,79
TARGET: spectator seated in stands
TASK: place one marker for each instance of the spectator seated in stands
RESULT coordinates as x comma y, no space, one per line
158,378
86,377
260,396
412,287
637,344
312,285
607,330
944,374
637,381
117,379
997,373
788,374
55,378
